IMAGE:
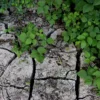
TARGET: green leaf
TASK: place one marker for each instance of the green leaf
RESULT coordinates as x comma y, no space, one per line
66,38
34,54
87,54
77,43
87,8
40,10
42,36
41,50
40,58
94,50
97,37
84,19
93,34
90,70
52,21
87,61
48,17
37,56
2,10
82,74
46,9
50,41
97,81
41,3
57,3
35,29
90,28
80,5
28,41
88,80
41,31
96,68
90,1
92,58
32,36
54,16
81,37
17,51
89,40
96,29
89,23
34,42
85,34
97,73
98,45
94,42
64,33
22,37
83,44
44,43
96,2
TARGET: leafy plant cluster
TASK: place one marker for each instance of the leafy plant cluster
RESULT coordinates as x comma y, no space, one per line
50,9
20,6
83,28
33,40
91,76
81,21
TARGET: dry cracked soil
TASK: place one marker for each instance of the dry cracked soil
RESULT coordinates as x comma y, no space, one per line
55,78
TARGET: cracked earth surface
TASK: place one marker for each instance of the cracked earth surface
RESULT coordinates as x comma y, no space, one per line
55,78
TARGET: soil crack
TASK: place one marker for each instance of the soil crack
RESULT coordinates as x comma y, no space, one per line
32,78
54,78
77,70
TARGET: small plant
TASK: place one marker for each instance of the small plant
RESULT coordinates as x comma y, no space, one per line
83,28
32,39
91,76
50,9
19,5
